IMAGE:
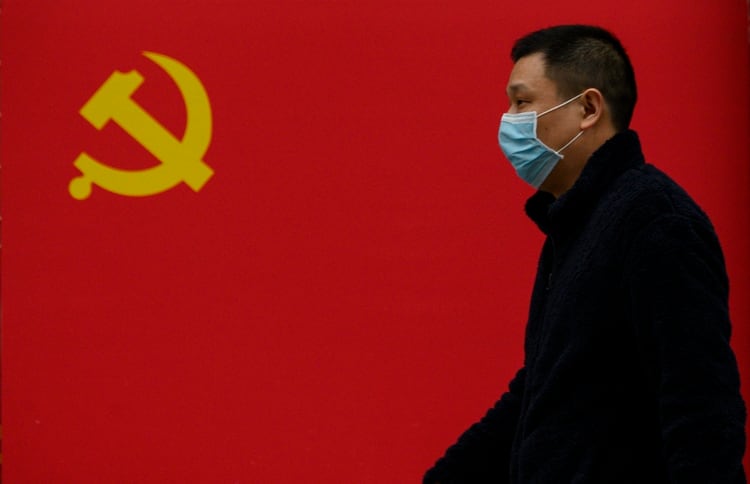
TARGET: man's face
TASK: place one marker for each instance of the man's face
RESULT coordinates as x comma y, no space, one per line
529,89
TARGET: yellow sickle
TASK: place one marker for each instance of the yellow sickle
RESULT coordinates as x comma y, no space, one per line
181,160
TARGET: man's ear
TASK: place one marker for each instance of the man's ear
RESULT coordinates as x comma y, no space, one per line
594,107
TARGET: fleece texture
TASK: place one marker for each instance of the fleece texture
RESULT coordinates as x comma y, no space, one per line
628,375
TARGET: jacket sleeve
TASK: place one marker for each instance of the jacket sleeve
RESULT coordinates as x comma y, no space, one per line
482,453
679,305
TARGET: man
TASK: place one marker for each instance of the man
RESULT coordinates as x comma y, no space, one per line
628,375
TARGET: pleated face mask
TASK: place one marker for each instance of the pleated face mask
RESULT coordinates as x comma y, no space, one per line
532,159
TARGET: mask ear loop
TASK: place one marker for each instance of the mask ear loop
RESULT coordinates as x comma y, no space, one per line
561,105
559,152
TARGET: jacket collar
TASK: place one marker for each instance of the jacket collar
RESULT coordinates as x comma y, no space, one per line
614,157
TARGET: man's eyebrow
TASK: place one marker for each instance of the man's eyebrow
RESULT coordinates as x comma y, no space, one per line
514,88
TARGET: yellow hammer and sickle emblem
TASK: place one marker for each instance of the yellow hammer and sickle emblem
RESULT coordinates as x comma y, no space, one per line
181,160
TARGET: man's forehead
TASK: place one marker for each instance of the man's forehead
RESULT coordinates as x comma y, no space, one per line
529,75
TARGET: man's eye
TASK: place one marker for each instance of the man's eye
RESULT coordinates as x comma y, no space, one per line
520,102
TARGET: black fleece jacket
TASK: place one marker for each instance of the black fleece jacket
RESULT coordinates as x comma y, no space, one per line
628,375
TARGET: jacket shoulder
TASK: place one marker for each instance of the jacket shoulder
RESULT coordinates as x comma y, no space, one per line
645,194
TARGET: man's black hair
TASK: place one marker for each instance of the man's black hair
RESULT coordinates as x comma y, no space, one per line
578,57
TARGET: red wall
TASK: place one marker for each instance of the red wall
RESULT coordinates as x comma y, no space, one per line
348,291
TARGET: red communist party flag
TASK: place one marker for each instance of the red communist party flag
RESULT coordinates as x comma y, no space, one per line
276,241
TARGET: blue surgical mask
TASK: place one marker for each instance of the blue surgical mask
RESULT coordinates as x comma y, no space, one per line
532,159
